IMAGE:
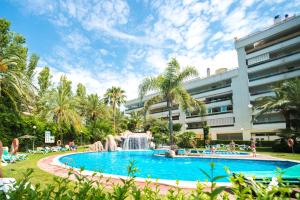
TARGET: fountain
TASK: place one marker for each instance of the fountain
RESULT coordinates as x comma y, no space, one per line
136,141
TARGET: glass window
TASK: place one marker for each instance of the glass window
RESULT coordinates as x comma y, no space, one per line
223,108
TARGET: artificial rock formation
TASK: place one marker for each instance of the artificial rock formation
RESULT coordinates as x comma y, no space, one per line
110,144
97,146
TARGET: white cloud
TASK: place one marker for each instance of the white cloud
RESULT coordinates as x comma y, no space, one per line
76,41
198,33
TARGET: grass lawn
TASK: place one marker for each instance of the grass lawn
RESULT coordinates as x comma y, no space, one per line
17,169
268,151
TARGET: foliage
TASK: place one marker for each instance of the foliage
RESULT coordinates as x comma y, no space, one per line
158,128
135,121
186,139
169,88
114,96
286,101
96,187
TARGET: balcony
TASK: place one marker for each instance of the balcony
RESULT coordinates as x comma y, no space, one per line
272,42
218,122
275,63
261,94
275,77
274,74
277,55
281,45
211,92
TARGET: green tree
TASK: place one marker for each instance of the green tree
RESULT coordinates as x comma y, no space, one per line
14,85
135,121
114,96
169,87
44,81
81,99
60,107
33,61
94,109
286,100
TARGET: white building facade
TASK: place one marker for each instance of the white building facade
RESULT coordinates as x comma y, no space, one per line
265,58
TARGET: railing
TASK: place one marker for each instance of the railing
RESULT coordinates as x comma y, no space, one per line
133,108
277,41
218,100
273,59
269,122
212,89
209,114
262,92
274,74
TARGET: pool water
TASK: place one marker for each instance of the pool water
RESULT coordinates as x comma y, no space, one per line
150,166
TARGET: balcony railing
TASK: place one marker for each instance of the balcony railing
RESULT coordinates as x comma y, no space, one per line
208,90
277,41
276,58
269,122
273,74
209,114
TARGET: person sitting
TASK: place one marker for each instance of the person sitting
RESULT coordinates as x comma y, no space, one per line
72,146
14,146
232,146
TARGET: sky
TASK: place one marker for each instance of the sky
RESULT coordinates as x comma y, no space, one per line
104,43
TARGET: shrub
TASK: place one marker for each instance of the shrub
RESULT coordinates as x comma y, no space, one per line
95,188
282,146
186,139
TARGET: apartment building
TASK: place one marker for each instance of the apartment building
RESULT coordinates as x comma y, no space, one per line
264,58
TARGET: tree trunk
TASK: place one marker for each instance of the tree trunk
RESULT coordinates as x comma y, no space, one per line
169,105
114,113
287,117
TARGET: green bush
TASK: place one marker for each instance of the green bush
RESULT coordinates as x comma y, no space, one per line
186,139
282,146
95,188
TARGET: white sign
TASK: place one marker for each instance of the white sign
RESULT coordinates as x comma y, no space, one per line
49,138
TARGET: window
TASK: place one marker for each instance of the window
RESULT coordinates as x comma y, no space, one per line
209,110
223,108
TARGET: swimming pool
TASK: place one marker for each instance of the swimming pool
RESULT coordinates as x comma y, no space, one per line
150,166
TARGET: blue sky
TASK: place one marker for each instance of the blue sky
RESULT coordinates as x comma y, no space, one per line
119,42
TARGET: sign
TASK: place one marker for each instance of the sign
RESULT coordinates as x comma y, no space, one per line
48,138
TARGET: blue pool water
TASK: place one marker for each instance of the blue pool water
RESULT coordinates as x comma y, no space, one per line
186,169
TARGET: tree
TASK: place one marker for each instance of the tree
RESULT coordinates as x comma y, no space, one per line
33,61
169,87
44,81
14,85
60,107
286,101
135,121
81,99
94,108
114,96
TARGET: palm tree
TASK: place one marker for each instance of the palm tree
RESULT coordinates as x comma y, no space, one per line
60,107
286,101
94,108
135,121
14,84
114,96
169,87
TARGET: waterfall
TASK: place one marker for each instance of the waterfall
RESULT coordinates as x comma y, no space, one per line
136,141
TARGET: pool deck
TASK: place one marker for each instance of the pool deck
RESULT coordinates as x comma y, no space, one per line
53,166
